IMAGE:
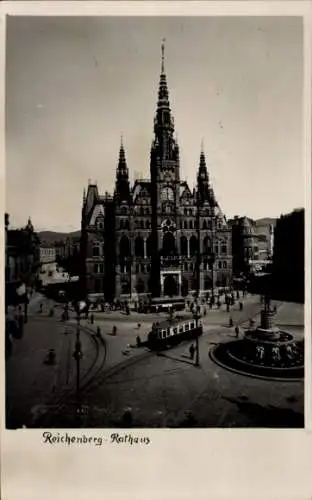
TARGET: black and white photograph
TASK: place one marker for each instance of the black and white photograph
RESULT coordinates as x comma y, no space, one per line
154,223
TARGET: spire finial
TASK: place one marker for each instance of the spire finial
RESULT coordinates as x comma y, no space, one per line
202,146
121,140
163,55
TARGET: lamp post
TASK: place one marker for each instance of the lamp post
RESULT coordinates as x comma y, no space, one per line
78,356
197,275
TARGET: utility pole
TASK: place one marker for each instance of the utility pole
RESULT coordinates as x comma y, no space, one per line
197,273
78,356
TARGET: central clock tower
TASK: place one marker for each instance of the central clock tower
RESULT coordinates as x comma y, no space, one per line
165,181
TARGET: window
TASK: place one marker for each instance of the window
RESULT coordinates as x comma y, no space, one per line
185,211
216,249
126,224
219,264
175,331
167,194
141,224
187,327
225,264
181,329
192,325
96,249
148,224
191,224
204,224
185,224
223,247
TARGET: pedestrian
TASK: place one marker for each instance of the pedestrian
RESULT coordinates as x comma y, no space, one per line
231,322
237,331
192,351
227,307
240,306
41,308
138,341
92,319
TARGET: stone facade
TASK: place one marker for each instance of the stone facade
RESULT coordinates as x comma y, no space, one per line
144,238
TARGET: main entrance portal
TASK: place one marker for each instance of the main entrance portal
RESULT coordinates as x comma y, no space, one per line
170,285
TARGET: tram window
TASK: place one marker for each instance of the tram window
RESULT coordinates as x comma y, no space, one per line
181,329
187,327
192,325
163,334
175,331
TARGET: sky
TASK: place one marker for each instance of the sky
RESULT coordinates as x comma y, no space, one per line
75,84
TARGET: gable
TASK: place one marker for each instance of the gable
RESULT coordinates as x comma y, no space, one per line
98,211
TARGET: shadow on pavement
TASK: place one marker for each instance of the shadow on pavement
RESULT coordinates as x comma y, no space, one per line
188,362
269,416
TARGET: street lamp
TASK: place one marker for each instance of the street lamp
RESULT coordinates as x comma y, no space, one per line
78,357
197,275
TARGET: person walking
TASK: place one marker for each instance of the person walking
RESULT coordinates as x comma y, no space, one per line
237,331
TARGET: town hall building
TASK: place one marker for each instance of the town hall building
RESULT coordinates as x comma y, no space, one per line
145,238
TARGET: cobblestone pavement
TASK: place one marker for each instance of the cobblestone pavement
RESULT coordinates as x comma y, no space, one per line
165,390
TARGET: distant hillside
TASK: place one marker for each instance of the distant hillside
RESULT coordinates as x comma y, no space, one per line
52,236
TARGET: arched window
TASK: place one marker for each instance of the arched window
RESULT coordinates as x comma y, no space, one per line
207,245
191,224
185,211
209,224
207,283
149,246
193,246
183,245
185,224
223,247
96,249
140,287
124,247
204,224
219,264
139,247
168,247
100,223
216,248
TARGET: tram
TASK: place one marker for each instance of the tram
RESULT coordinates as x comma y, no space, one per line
171,332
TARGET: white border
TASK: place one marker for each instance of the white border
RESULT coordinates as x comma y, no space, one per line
183,464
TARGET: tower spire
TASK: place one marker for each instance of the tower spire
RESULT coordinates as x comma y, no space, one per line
122,174
163,56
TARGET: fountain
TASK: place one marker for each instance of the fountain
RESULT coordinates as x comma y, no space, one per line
264,351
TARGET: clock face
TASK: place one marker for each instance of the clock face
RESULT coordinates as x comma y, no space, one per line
166,194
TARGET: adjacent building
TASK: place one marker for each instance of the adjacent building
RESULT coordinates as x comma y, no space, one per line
252,245
22,258
145,237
